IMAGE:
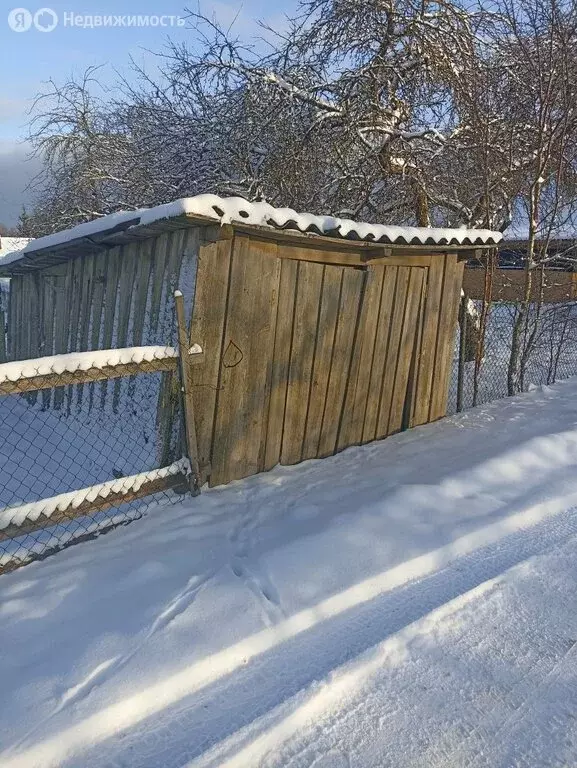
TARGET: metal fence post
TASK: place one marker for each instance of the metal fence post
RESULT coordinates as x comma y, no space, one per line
186,390
462,351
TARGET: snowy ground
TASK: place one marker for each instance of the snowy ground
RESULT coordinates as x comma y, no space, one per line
409,603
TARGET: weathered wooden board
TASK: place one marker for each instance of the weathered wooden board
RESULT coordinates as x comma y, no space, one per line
351,293
161,249
452,282
393,350
248,339
62,298
324,345
280,363
431,317
406,349
302,352
353,425
207,326
126,286
110,306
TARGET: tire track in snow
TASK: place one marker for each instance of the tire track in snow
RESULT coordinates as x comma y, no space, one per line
285,660
402,610
557,695
104,671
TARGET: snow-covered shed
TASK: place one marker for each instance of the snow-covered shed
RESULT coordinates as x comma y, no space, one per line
318,332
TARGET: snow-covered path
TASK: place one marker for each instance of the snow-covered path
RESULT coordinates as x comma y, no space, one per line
409,603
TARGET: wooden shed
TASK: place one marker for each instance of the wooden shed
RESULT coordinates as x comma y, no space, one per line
318,333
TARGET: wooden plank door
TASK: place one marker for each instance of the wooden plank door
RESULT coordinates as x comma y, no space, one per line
304,358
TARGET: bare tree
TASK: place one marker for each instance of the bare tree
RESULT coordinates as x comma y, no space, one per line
537,43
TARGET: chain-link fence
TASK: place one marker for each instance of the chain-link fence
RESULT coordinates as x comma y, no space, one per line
484,368
78,459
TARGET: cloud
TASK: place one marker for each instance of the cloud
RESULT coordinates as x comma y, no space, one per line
11,109
16,172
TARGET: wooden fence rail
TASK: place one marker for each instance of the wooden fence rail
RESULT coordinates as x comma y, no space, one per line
66,508
509,285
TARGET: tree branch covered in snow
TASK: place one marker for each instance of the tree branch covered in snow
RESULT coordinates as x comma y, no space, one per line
398,112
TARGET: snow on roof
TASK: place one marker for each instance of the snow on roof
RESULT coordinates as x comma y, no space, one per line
236,209
10,244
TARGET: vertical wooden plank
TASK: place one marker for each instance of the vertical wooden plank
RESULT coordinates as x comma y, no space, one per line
3,356
186,388
188,267
64,287
98,308
406,348
39,292
12,317
327,326
140,299
358,392
393,348
168,449
280,363
77,278
35,316
86,297
379,358
98,299
306,314
86,301
431,316
126,286
49,301
111,296
158,281
110,310
411,397
23,318
142,282
263,405
207,330
4,318
174,252
248,341
341,359
21,330
452,282
14,311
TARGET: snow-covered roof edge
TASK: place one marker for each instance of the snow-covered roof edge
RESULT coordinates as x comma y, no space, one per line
10,245
236,209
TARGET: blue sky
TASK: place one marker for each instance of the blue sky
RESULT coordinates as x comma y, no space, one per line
31,57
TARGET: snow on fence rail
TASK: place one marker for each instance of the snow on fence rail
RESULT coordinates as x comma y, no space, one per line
84,367
32,516
34,428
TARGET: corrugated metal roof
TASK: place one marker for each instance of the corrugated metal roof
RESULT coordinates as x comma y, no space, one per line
118,227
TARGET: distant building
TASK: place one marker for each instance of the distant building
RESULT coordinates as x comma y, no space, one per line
512,254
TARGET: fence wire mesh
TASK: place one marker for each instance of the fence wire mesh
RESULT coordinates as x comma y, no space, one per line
547,352
80,459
